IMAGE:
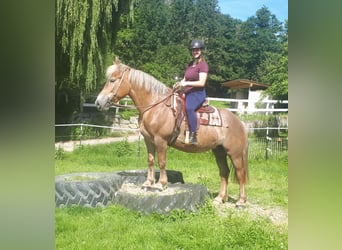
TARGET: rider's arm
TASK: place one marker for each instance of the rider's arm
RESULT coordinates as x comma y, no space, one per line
199,83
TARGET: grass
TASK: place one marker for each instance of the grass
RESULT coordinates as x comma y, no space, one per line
119,228
115,227
219,104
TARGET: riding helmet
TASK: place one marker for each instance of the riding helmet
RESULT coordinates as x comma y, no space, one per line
197,44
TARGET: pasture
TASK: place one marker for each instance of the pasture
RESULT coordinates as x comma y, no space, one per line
261,225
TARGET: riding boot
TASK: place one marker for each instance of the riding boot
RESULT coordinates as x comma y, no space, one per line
193,138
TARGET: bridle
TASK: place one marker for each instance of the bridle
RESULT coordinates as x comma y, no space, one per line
147,107
119,85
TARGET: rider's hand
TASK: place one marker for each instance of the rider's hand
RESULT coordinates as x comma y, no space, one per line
182,83
178,87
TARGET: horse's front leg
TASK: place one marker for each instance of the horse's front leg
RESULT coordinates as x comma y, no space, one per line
150,160
161,152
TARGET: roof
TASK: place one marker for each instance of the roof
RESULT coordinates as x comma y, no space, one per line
244,83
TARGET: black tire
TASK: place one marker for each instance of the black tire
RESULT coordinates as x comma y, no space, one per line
102,189
86,189
183,196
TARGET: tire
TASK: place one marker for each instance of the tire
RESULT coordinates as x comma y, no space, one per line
86,189
177,196
124,188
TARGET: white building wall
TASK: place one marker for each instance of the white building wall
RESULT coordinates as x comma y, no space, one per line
254,97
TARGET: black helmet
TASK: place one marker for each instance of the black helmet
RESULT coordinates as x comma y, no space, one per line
197,44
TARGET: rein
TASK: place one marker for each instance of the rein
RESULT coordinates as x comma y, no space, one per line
147,107
155,104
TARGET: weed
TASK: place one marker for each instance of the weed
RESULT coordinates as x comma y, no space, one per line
123,148
59,153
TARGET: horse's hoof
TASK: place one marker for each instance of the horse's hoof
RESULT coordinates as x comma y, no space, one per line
217,201
159,187
146,186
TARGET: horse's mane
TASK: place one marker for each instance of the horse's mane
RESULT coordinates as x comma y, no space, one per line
148,82
140,79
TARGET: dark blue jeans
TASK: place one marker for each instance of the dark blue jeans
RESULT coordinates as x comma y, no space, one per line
194,100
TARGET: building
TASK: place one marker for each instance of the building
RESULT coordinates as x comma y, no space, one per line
250,94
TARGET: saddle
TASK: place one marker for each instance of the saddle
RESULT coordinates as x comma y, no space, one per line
205,108
206,115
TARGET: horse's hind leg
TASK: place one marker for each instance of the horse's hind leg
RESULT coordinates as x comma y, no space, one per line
240,163
221,160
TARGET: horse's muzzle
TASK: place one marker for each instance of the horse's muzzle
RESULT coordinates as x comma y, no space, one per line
103,103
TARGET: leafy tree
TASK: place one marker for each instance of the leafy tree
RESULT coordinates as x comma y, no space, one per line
82,37
276,73
261,36
169,63
180,28
84,33
137,44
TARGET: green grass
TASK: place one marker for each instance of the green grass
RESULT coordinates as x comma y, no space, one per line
118,228
115,227
219,104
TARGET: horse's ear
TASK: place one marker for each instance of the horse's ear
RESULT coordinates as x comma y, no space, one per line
116,61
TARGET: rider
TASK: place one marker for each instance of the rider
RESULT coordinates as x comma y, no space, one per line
194,82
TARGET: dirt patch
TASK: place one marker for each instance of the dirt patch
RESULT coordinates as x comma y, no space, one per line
137,190
277,215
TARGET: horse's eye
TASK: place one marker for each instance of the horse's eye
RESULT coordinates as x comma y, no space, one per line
112,80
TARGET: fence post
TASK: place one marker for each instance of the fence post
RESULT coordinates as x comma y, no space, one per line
267,139
81,132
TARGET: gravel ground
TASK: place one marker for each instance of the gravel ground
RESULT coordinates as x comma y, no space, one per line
134,189
277,215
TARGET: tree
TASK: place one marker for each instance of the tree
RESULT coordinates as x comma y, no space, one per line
260,34
274,70
82,37
85,31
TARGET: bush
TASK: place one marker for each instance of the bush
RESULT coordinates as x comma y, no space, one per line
128,113
59,154
123,148
88,132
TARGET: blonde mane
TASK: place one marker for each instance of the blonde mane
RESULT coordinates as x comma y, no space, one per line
148,82
140,79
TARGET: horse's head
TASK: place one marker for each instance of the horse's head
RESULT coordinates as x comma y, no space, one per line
116,86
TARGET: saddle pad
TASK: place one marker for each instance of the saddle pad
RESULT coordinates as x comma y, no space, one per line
210,119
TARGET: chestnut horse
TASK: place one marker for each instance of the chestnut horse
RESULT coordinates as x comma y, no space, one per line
157,121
